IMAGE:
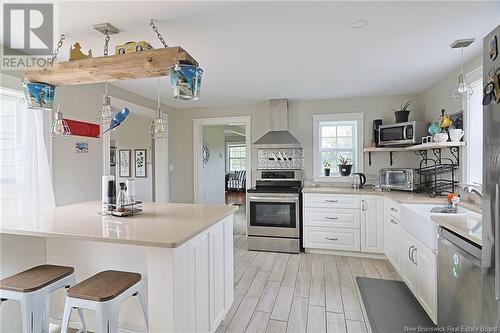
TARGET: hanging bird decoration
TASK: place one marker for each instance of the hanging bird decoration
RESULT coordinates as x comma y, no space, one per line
118,118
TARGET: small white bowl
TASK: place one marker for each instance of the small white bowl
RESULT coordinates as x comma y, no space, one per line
440,137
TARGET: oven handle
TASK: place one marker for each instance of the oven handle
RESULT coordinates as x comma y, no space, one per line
275,199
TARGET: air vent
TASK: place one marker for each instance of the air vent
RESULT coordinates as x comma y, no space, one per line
459,43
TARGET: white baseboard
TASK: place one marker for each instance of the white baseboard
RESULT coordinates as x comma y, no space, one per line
347,253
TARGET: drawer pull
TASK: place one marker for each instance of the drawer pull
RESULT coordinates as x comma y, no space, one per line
332,238
393,221
331,218
394,209
331,201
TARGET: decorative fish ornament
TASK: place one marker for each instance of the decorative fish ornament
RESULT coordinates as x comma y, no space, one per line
118,118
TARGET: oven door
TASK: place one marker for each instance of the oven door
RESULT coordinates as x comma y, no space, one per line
273,215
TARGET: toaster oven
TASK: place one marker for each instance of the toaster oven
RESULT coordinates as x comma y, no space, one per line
398,179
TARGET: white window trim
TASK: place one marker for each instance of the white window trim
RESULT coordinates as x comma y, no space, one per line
232,144
355,116
472,76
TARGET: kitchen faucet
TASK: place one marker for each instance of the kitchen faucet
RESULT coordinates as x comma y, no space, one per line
472,189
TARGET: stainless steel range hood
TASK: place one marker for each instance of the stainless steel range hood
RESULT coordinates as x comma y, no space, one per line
278,136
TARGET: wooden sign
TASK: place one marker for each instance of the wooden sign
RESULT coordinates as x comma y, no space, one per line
80,128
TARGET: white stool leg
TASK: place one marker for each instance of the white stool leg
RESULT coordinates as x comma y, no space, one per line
66,316
46,314
142,300
82,320
32,312
102,320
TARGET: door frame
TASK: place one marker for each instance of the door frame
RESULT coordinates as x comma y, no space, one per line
198,124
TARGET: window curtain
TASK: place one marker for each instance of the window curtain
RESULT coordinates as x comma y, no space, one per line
31,175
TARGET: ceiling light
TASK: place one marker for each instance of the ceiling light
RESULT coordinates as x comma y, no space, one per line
104,114
359,24
59,126
159,127
463,89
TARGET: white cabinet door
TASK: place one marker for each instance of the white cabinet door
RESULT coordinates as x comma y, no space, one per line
199,283
408,268
391,241
216,275
372,224
426,282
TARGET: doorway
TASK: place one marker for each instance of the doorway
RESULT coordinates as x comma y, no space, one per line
222,163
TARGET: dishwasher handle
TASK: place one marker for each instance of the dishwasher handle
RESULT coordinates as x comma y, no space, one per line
460,243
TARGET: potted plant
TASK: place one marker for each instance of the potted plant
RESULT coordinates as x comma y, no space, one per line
403,113
327,167
344,167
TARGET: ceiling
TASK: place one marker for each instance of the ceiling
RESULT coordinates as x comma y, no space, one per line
255,51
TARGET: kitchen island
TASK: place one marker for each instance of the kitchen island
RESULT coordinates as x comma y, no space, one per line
183,251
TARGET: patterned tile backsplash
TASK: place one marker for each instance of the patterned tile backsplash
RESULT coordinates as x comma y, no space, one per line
280,158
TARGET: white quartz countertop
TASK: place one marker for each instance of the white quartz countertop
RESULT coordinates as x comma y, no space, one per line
159,225
466,226
399,196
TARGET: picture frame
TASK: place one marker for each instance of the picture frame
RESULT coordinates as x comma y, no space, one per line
112,156
81,147
141,163
124,163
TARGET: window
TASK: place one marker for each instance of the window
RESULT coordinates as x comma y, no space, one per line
474,131
335,136
236,157
25,179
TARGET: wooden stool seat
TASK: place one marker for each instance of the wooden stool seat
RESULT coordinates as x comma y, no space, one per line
35,278
104,286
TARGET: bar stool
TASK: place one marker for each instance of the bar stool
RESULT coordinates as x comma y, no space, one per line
31,288
103,293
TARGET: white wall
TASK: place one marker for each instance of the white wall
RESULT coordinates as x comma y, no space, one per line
133,134
211,177
300,125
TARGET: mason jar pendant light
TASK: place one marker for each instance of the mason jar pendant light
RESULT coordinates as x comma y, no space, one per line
104,114
59,126
463,89
159,128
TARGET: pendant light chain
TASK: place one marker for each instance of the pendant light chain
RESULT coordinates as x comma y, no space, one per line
56,51
106,42
155,29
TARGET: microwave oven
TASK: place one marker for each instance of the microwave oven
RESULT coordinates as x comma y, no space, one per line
398,179
402,134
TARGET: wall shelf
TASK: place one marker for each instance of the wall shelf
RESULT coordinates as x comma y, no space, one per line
136,65
435,146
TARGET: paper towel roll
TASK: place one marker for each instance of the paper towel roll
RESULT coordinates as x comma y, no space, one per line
104,192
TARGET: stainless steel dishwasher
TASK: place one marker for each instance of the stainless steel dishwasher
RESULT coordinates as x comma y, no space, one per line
459,280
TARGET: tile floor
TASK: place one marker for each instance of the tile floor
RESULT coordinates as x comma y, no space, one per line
279,292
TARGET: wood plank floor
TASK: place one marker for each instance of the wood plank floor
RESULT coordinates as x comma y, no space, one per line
279,292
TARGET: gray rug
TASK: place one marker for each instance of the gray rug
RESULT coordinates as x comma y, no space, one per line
391,307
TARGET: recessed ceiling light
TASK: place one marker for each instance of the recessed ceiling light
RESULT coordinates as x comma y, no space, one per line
359,24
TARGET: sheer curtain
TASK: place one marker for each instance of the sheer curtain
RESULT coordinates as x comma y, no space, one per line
25,178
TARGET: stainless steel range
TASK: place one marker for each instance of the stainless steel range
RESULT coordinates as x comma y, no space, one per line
274,211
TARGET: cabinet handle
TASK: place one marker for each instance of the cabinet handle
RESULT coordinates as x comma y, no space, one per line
332,238
409,253
413,259
393,221
331,201
331,218
394,209
363,208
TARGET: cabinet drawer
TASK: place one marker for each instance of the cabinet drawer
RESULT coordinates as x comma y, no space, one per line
332,239
339,217
393,209
332,201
